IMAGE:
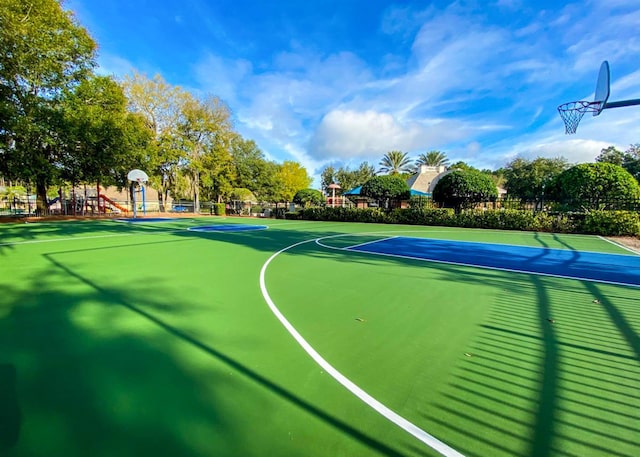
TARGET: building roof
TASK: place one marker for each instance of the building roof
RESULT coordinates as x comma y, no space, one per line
355,192
426,178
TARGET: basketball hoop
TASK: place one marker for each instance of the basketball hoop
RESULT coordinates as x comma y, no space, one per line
572,112
138,176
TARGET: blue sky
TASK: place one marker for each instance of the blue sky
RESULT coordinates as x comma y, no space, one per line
343,81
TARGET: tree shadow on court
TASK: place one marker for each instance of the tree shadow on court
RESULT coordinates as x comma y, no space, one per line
553,372
127,393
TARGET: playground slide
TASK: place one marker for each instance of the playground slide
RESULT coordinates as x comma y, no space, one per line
114,204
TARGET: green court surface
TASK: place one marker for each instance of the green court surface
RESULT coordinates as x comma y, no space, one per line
147,339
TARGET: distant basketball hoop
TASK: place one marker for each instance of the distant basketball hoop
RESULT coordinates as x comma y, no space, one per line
572,112
139,177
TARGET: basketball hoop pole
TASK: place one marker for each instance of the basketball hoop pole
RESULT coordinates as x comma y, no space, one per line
133,191
622,103
137,176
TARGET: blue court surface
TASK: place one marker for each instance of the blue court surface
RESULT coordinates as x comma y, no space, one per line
227,228
592,266
139,220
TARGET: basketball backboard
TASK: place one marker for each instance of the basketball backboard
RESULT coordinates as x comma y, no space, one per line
602,88
137,176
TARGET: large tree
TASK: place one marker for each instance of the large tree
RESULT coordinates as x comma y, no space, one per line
204,129
327,177
43,51
386,189
308,197
528,179
291,178
598,185
395,162
103,141
629,159
464,189
611,154
432,159
252,170
161,106
348,179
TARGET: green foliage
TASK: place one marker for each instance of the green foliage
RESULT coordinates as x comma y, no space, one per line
528,179
291,177
348,179
385,188
340,214
629,159
395,162
594,186
251,168
242,194
432,159
464,189
308,197
422,216
606,223
293,215
611,223
219,209
105,135
460,165
43,51
489,219
611,155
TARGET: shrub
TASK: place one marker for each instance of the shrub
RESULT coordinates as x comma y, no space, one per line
595,186
219,209
611,223
385,188
464,189
308,197
293,215
596,222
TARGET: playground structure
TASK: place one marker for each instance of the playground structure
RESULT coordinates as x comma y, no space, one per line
90,200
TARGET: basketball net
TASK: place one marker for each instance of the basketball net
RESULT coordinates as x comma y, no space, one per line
572,112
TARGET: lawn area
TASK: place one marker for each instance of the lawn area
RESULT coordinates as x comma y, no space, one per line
150,339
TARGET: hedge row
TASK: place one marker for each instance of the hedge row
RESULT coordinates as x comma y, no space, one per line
606,223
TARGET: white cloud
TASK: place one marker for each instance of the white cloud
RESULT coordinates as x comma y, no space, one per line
346,134
471,88
222,76
109,64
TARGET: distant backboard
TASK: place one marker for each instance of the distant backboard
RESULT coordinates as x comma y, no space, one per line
602,88
138,176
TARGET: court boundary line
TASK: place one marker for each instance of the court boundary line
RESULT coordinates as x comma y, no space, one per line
620,245
205,228
369,242
473,265
376,405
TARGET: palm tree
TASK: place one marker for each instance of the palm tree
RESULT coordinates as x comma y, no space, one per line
395,162
432,159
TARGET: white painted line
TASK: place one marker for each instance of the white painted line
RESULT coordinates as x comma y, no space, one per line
74,238
370,242
392,416
80,238
619,245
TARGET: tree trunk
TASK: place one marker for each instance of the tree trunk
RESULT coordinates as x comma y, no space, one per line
160,201
41,197
98,197
196,192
